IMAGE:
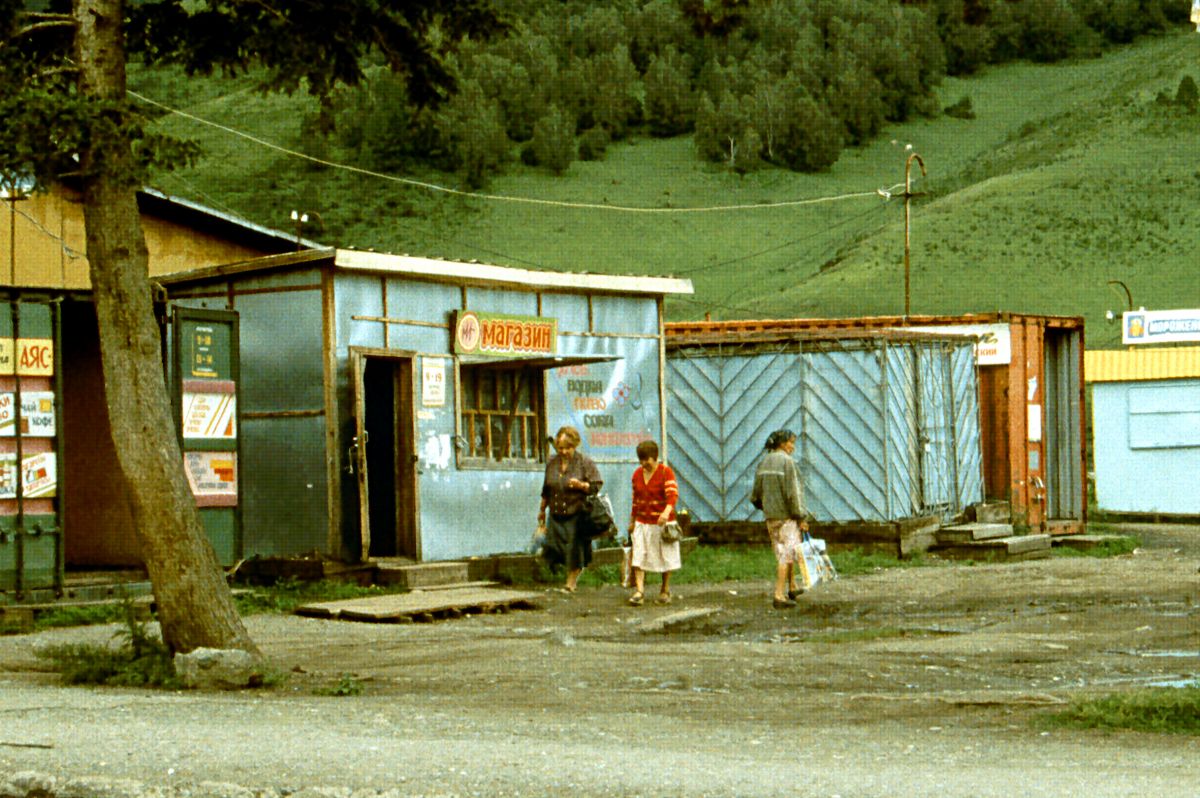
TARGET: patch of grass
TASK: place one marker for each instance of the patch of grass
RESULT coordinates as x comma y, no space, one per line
1108,548
60,617
139,661
715,564
347,685
285,595
1167,710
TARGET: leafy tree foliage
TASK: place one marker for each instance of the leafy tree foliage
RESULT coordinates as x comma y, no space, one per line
670,108
554,141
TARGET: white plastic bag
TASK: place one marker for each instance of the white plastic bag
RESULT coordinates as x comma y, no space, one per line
815,565
627,566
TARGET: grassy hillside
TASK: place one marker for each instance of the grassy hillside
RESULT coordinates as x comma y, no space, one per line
1069,176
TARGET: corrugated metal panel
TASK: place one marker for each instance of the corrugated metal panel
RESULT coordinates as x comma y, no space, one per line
863,411
843,436
721,411
968,447
1112,365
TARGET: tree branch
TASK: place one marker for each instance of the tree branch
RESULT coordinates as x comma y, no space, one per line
59,22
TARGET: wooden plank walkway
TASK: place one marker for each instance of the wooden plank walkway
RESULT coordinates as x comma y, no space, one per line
423,606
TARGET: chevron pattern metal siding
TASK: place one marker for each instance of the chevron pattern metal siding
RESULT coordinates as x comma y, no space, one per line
720,411
886,430
968,442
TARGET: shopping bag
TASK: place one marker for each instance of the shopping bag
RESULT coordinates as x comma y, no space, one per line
627,566
538,541
815,566
598,517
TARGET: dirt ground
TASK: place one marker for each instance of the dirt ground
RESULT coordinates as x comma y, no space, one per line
888,657
898,641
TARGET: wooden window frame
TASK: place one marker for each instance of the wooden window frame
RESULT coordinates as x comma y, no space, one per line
476,409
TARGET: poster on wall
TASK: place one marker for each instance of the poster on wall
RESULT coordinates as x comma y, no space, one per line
34,357
39,476
37,414
433,381
212,477
209,410
614,407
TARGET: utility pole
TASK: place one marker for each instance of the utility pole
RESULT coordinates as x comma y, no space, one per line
908,195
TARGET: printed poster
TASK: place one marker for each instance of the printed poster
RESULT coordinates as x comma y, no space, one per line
37,414
433,381
39,474
209,415
212,477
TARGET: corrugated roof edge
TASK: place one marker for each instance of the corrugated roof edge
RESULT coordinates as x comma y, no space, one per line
690,328
457,271
1138,365
278,237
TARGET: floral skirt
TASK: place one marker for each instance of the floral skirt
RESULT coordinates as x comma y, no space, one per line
785,540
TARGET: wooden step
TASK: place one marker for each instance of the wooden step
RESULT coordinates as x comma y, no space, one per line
423,575
990,512
1006,549
975,531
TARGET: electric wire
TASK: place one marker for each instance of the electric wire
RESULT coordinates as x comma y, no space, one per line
504,197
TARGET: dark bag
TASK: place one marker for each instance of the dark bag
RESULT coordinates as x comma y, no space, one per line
597,521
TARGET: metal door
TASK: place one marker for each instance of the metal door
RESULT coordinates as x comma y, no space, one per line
357,456
935,429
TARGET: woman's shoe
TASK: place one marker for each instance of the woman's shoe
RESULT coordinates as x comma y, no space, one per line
792,594
783,604
636,600
663,598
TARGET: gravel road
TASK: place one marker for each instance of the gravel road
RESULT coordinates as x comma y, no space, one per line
572,700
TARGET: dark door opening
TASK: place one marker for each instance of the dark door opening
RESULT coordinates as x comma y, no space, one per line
390,461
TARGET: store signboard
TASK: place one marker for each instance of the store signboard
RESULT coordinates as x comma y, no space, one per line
39,475
1160,326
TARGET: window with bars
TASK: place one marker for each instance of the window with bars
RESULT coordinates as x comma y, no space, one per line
503,414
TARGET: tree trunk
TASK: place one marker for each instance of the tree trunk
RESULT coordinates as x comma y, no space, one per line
195,606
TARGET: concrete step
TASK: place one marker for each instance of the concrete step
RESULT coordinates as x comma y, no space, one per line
975,531
1005,549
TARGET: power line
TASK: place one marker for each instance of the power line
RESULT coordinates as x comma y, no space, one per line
502,197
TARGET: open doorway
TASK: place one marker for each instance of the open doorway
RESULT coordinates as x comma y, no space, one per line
390,459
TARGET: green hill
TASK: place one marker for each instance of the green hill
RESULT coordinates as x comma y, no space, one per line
1069,176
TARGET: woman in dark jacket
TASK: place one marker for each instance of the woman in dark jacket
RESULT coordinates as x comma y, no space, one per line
570,477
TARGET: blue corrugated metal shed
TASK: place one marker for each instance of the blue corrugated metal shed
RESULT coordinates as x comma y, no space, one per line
369,429
888,422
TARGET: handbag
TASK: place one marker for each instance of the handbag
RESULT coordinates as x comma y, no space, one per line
597,521
814,564
672,532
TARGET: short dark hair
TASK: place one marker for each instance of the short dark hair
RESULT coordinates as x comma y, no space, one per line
647,449
778,438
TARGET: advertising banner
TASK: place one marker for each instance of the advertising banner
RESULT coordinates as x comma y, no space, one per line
1160,326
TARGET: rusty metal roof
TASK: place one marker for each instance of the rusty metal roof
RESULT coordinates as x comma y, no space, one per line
1120,365
689,329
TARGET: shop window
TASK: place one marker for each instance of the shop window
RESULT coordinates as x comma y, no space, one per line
503,419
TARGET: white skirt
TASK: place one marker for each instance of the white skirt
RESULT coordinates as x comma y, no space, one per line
650,553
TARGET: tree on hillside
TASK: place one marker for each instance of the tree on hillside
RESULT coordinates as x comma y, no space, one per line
62,84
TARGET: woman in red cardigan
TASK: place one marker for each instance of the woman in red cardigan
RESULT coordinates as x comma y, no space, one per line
655,494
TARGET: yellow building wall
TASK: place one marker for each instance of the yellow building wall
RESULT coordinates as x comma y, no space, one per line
51,249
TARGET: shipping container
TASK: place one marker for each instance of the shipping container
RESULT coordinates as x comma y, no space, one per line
1030,399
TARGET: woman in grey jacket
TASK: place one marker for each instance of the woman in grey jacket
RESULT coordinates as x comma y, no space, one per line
779,493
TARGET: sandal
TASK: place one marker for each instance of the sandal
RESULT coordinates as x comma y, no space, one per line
636,600
663,598
792,594
567,590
